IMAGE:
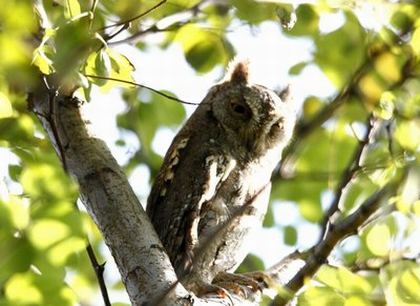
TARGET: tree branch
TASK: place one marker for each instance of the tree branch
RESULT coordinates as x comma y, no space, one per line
99,271
336,232
109,199
348,175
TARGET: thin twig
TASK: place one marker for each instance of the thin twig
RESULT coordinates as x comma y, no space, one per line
366,266
124,22
99,271
348,174
155,29
142,86
152,29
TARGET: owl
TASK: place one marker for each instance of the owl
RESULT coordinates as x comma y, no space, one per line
213,188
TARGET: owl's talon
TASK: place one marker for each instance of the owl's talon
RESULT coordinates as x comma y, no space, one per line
202,289
243,284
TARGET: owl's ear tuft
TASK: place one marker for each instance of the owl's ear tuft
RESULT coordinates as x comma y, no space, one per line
238,71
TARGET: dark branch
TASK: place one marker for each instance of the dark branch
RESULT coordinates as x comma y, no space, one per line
99,271
336,232
125,22
142,86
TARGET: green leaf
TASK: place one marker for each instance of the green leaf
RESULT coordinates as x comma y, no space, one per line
297,68
203,56
269,217
378,239
401,282
385,108
343,280
73,44
408,134
6,109
341,52
311,107
251,263
311,209
290,235
320,296
72,8
254,12
203,49
98,64
307,21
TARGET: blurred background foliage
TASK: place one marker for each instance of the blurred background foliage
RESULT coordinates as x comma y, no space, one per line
43,235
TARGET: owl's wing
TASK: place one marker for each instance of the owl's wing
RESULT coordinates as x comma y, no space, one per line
184,184
215,171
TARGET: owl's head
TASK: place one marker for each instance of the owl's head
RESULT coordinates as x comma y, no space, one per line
253,116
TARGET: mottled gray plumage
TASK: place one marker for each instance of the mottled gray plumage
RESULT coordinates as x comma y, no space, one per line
214,184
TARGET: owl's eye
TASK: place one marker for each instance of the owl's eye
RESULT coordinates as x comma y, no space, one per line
240,110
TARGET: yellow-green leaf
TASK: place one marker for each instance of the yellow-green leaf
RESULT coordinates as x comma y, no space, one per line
72,8
6,109
378,239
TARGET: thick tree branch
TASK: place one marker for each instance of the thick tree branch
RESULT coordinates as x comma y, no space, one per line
109,199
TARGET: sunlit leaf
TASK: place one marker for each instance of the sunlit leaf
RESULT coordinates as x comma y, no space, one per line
372,87
343,280
254,12
320,296
408,134
311,210
388,67
72,8
203,49
307,21
5,106
357,300
311,106
385,108
378,239
401,281
19,283
45,233
415,41
341,52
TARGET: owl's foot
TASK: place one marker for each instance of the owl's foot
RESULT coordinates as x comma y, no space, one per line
201,289
243,284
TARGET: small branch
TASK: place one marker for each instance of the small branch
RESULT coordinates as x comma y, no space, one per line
142,86
366,266
336,232
304,129
124,22
348,175
149,30
99,271
154,28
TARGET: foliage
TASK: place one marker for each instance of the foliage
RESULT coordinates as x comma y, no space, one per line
42,233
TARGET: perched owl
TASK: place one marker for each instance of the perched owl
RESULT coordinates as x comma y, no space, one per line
213,187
